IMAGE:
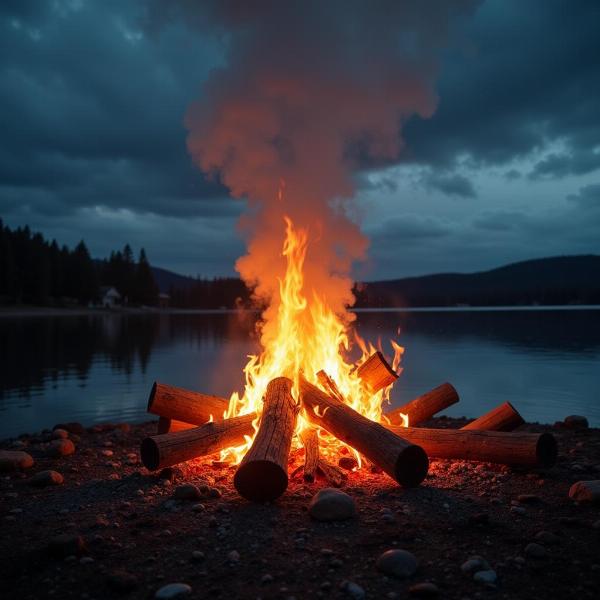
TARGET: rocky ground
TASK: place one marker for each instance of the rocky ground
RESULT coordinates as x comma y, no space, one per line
98,525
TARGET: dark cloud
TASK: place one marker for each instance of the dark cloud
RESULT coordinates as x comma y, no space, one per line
451,184
588,197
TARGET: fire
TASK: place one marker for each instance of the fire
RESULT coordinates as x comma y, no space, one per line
305,336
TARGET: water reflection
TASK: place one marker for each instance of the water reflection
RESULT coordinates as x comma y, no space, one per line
100,367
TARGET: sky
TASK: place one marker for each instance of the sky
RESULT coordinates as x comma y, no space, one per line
93,103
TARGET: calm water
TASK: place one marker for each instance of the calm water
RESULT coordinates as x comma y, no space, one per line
101,367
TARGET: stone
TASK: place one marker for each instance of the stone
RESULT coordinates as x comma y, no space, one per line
331,504
73,427
66,545
12,460
46,478
488,577
397,563
214,492
575,422
534,550
122,581
348,462
233,556
187,491
106,452
424,590
59,434
353,590
197,556
173,590
547,538
266,578
199,507
58,448
475,563
518,510
586,491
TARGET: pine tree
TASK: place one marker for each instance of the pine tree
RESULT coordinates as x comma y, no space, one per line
146,290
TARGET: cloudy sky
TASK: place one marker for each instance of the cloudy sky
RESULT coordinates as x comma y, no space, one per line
93,98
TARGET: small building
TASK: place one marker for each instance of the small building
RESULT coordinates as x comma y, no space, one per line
163,300
109,297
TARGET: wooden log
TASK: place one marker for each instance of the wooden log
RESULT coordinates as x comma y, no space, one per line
310,441
405,462
504,417
424,407
159,451
334,475
509,448
184,405
376,373
263,473
165,425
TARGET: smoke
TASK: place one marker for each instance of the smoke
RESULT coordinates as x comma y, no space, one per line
310,92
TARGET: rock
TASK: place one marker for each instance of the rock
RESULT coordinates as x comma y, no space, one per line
518,510
60,434
348,462
424,590
214,492
353,590
197,556
187,491
575,422
73,427
534,550
233,556
475,563
267,578
547,538
12,460
66,545
173,590
58,448
586,491
488,577
397,563
199,507
330,504
106,452
46,478
122,581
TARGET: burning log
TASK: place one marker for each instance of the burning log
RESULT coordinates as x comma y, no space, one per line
424,407
166,425
310,441
509,448
376,373
334,475
168,449
504,417
401,460
262,474
184,405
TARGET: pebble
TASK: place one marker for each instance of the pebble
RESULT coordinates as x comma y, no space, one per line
66,545
11,460
233,556
197,556
187,491
199,507
348,462
353,590
46,478
575,422
424,590
60,434
58,448
106,452
518,510
331,504
398,563
488,576
548,538
586,491
534,550
214,492
122,581
172,590
475,563
266,578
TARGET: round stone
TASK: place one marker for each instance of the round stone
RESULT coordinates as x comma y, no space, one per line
547,538
586,491
330,504
11,460
397,563
575,422
46,478
534,550
425,589
488,577
173,590
58,448
60,434
187,491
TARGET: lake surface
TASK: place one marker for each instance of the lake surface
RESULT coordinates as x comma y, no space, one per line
94,368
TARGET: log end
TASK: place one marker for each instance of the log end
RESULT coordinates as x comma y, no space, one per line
546,450
412,466
260,480
151,397
150,454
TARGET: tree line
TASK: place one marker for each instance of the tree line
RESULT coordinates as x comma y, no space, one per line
34,270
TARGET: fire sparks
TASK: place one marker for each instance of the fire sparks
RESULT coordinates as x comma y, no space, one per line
305,336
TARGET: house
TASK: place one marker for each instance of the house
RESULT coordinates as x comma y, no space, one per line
163,300
109,297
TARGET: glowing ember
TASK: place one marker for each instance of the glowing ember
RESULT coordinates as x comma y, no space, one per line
305,336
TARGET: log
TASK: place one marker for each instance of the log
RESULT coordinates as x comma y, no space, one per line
405,462
184,405
376,373
504,417
263,473
334,475
166,425
167,449
424,407
310,441
502,447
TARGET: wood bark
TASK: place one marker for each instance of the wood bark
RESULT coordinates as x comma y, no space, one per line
424,407
167,449
184,405
376,373
405,462
509,448
504,417
263,473
310,441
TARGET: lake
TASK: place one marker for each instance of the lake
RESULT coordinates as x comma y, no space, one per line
100,367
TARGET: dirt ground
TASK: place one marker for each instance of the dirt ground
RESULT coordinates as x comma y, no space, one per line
113,529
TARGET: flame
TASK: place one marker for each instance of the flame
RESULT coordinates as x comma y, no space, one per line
305,336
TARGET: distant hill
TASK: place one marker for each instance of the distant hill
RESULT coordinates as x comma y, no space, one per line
556,280
166,280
